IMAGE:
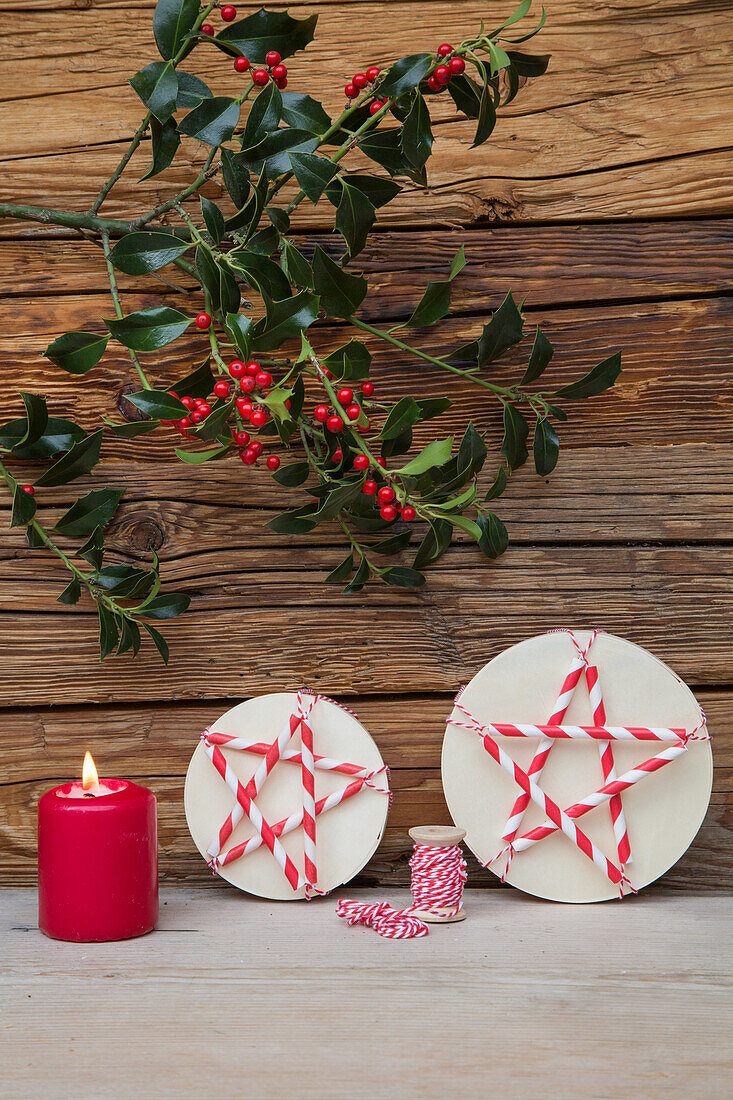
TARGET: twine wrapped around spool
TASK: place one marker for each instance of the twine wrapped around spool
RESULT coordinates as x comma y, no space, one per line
438,877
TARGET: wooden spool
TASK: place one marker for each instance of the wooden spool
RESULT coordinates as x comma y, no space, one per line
438,836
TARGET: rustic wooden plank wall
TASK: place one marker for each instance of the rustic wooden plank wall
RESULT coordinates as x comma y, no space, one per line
605,196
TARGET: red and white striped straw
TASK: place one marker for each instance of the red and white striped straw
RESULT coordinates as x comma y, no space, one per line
605,793
289,824
250,808
542,751
592,733
290,756
308,777
608,766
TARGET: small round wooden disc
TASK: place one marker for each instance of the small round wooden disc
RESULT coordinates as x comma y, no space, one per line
437,836
346,836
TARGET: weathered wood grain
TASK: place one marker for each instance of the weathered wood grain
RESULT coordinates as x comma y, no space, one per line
261,622
628,122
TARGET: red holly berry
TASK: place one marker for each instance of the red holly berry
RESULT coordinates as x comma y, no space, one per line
273,58
456,66
345,396
321,413
228,13
444,50
206,28
350,91
187,401
257,447
337,455
260,77
434,84
197,416
382,462
279,72
247,384
244,406
259,418
203,320
236,369
273,462
388,512
198,402
369,487
386,494
241,65
408,513
253,368
442,74
248,457
367,388
221,389
372,73
263,378
29,490
241,438
183,423
282,83
353,412
361,462
376,106
363,429
328,373
204,408
334,423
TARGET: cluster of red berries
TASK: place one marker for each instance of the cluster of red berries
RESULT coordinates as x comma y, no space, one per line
228,15
441,74
359,82
275,69
333,421
389,509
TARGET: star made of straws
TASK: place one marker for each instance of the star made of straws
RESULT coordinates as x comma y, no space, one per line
613,786
245,794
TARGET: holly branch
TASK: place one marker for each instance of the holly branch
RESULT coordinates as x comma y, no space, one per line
258,385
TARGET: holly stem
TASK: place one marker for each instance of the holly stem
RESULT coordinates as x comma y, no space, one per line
186,193
502,391
62,217
118,308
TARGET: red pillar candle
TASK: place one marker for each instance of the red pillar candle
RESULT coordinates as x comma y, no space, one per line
97,860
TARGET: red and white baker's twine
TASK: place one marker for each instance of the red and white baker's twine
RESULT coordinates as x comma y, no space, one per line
610,792
245,795
438,878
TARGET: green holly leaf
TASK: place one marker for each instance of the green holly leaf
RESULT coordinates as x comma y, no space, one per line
341,572
292,475
160,643
486,117
392,545
262,273
108,634
304,113
494,536
77,352
80,459
601,378
139,254
403,577
24,508
217,280
406,73
165,142
341,294
264,115
313,173
149,329
213,122
354,219
191,90
498,485
540,356
385,147
235,174
239,331
159,404
529,65
417,136
435,302
546,447
285,320
213,219
36,421
215,422
295,266
59,435
199,383
173,21
129,637
297,521
435,543
359,579
263,31
273,154
514,443
503,331
377,189
124,580
400,417
168,606
435,454
197,458
90,512
93,549
71,593
350,362
157,86
132,429
466,94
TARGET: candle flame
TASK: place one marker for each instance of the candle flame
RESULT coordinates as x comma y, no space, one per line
89,777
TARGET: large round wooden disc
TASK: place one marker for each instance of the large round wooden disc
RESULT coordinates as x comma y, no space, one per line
346,836
663,811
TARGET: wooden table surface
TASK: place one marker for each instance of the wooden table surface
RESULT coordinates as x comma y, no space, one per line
232,997
604,196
